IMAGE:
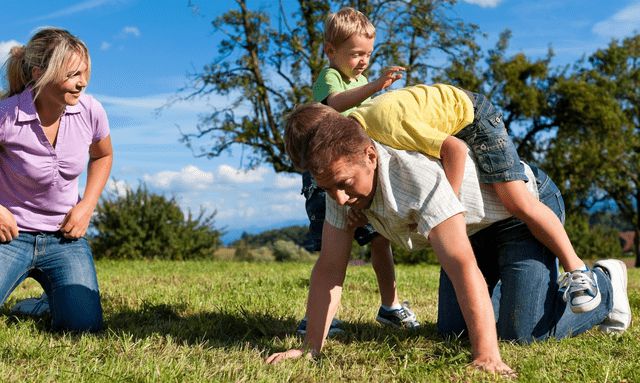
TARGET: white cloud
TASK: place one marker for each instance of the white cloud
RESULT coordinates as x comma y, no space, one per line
287,181
84,6
621,24
134,31
118,187
188,179
240,213
5,47
233,175
105,46
484,3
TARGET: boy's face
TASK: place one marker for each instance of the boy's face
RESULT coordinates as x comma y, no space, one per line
351,57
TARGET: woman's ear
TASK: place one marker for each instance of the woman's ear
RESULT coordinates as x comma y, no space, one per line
36,73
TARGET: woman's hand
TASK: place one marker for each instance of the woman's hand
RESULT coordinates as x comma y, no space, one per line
75,223
8,225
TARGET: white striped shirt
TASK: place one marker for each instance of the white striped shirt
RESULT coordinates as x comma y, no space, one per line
413,196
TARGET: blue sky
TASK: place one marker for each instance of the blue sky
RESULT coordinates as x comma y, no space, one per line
142,51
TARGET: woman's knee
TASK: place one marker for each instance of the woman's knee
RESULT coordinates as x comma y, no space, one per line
76,308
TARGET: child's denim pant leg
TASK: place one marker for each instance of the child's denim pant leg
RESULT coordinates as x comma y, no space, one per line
527,303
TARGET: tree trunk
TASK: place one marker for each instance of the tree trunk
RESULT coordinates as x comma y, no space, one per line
636,245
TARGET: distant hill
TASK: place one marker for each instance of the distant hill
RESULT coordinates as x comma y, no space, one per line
294,234
233,234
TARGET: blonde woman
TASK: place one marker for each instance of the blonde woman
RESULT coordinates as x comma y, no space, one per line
49,130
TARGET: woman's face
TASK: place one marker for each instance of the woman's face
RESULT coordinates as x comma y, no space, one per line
67,91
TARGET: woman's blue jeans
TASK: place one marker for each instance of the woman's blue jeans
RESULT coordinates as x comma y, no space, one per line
65,270
521,275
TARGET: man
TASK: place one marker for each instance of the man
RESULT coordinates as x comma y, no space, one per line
407,198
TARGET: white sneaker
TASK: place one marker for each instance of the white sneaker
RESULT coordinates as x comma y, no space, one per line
32,306
619,317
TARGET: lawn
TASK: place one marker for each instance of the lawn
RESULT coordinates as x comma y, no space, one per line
217,321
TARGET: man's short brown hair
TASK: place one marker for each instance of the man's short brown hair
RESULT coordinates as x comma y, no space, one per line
339,26
316,135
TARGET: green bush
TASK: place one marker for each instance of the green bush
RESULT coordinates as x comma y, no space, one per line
404,256
142,224
244,252
592,242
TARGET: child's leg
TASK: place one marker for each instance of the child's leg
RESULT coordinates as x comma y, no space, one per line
382,262
391,312
542,222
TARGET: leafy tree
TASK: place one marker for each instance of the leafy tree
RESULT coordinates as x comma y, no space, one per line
265,67
592,241
597,147
141,224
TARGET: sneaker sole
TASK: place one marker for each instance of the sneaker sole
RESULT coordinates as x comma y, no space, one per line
622,268
387,322
586,307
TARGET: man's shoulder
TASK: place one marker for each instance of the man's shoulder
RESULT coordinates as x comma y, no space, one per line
408,173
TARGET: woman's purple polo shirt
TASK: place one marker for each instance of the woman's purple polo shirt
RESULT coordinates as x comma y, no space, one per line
39,183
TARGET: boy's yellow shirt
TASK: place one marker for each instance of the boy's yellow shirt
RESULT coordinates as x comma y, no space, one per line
417,118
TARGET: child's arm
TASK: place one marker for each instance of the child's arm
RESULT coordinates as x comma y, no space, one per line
453,154
347,99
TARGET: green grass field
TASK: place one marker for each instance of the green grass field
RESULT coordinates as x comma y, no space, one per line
217,321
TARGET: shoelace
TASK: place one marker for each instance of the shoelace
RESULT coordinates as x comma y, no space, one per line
580,280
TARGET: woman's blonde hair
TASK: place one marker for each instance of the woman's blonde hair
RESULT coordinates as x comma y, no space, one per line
339,26
50,50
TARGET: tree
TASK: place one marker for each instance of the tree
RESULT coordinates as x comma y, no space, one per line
597,148
265,67
141,224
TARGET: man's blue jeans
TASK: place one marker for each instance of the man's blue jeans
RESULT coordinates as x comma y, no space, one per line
521,275
65,270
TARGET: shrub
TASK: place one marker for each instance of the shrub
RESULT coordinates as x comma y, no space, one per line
284,251
247,254
402,255
142,224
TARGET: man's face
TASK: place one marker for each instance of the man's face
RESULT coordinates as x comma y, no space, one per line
351,180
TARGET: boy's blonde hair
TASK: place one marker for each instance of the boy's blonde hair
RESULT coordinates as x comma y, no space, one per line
345,23
50,50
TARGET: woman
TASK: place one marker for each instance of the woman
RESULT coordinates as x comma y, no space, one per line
49,129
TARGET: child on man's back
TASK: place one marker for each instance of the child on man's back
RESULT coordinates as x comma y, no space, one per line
348,43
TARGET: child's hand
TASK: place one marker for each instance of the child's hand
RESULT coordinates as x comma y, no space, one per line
389,76
356,218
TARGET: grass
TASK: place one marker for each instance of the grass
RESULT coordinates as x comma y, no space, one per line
217,321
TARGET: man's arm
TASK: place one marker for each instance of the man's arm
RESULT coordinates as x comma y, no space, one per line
324,292
453,249
453,154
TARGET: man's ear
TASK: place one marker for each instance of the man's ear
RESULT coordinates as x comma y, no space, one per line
372,154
